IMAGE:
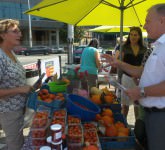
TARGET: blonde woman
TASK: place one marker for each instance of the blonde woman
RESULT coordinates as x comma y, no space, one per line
13,88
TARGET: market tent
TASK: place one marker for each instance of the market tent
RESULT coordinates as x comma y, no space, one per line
95,12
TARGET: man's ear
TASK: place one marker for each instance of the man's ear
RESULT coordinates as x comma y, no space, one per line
162,20
2,36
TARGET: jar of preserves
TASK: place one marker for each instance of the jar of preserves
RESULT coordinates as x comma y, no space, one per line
57,146
49,141
45,148
56,130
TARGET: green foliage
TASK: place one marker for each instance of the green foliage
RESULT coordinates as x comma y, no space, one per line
63,33
78,33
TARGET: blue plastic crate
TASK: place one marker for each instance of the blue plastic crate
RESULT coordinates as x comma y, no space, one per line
120,117
85,114
116,108
112,143
44,108
55,104
33,102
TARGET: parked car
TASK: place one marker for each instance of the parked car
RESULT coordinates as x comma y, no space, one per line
77,53
100,50
59,50
45,50
19,50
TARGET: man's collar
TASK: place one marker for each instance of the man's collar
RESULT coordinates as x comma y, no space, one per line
161,39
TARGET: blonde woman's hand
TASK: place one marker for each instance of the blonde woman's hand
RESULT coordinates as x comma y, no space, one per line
25,89
15,90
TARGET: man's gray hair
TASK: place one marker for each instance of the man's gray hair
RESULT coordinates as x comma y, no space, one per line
159,8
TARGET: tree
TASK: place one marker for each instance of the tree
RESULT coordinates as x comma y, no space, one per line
78,33
63,34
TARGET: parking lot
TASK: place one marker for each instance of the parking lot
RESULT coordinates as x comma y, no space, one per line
33,58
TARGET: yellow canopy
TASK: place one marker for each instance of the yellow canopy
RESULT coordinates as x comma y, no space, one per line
110,29
95,12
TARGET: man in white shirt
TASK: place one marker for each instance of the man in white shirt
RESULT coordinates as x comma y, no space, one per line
151,90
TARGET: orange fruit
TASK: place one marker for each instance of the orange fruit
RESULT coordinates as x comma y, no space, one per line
52,96
107,120
108,99
91,147
96,99
111,131
122,134
60,94
124,130
119,124
48,100
107,112
44,91
98,117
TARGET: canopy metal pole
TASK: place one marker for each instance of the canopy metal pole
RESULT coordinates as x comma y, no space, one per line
121,40
70,43
30,28
121,27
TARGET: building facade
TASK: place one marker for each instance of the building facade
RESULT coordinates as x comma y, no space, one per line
44,31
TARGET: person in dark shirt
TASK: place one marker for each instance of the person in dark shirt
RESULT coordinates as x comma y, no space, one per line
132,53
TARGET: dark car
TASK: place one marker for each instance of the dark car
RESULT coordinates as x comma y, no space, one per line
77,53
19,50
100,50
45,50
59,50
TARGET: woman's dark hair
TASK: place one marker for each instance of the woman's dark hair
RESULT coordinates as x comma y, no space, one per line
94,43
140,42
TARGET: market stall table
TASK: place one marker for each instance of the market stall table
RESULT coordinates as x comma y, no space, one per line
106,143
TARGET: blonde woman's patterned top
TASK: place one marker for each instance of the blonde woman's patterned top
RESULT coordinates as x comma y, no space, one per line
11,75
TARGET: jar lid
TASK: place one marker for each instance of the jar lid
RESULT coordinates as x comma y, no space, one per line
45,148
49,139
55,127
54,143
